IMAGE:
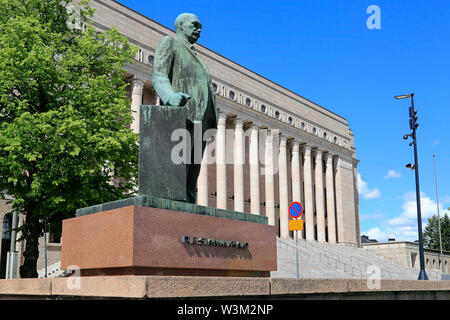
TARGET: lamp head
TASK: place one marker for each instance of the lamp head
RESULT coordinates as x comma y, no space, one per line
410,166
404,96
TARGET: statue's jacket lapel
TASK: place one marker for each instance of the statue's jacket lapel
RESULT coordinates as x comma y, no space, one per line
191,76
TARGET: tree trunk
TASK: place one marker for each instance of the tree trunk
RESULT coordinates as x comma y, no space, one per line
31,253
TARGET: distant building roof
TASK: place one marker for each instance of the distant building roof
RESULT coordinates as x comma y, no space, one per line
365,239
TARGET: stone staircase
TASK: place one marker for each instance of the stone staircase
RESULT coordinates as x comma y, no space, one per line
323,260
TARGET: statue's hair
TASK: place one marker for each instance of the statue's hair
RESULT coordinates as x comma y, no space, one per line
181,19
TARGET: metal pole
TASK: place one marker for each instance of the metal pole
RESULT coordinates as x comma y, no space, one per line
45,246
12,248
439,216
296,252
422,274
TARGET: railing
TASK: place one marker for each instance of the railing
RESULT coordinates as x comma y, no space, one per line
323,257
292,248
352,265
352,261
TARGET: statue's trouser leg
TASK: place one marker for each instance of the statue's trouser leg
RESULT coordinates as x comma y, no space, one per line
193,169
193,172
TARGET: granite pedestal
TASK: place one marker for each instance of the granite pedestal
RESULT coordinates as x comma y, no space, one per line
151,236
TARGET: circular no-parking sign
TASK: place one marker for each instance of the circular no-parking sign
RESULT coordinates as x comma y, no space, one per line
295,210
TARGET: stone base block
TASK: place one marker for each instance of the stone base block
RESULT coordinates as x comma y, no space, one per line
157,287
136,240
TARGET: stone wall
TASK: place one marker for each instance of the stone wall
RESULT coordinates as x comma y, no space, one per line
407,254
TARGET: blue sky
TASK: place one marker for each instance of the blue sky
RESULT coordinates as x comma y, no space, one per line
324,51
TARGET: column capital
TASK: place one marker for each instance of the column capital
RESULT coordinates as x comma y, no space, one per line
329,156
295,144
307,147
283,138
269,137
137,80
317,152
137,86
222,117
273,132
253,126
238,122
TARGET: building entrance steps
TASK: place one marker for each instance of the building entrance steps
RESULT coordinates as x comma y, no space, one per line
323,260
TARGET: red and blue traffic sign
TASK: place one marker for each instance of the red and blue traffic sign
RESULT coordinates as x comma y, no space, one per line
295,210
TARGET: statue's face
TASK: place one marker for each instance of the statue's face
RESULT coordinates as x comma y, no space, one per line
192,28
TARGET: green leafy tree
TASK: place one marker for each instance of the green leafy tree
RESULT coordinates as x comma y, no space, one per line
65,141
431,233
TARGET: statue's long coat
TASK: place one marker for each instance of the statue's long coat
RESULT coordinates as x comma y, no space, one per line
177,68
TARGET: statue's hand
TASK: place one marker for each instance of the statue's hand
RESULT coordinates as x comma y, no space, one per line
178,99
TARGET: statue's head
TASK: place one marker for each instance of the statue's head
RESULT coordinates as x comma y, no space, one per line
188,26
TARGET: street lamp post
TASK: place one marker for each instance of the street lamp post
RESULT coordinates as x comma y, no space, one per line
413,125
439,216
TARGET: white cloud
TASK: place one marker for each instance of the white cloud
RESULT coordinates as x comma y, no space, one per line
377,234
435,143
392,174
405,233
404,226
365,192
428,208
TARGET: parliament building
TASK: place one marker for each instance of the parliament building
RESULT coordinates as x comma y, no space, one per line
273,146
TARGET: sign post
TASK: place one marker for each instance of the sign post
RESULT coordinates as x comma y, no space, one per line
295,211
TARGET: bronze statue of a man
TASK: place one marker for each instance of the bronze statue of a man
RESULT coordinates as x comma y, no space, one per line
180,78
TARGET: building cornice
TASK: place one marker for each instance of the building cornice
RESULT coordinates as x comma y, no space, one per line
264,120
202,50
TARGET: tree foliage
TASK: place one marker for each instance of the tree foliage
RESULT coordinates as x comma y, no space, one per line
431,233
64,116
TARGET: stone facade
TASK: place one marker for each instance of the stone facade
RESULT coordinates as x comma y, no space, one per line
250,104
290,146
407,254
